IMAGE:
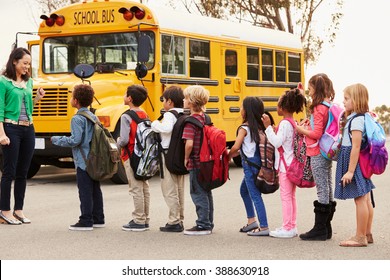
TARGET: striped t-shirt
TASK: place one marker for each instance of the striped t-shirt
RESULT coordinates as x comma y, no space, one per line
192,132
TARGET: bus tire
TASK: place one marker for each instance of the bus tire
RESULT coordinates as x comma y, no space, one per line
237,161
120,177
33,170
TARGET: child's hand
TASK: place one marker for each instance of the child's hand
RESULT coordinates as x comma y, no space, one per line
346,179
266,120
300,128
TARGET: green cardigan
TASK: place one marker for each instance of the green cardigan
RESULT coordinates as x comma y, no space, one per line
11,98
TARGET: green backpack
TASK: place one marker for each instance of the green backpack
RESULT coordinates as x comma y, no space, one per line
104,155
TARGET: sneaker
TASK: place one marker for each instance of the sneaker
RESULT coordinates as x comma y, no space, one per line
99,225
249,227
258,232
133,226
172,228
197,230
283,233
80,227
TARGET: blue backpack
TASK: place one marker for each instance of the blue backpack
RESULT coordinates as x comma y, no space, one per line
373,155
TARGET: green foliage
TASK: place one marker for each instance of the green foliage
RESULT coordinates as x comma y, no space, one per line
383,113
293,16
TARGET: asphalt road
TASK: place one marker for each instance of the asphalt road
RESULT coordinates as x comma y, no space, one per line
52,204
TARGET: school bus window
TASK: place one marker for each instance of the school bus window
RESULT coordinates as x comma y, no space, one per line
230,63
294,67
252,58
199,59
281,66
113,51
267,65
173,54
35,60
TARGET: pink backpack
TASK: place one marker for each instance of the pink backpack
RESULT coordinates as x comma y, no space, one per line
299,172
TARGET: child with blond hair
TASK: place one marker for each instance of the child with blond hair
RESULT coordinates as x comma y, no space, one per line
350,182
195,99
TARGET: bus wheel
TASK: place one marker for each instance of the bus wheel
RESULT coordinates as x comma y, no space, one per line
237,161
120,177
33,170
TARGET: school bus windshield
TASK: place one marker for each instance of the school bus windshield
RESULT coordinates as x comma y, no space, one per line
107,52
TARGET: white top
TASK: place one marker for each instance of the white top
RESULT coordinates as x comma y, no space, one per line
284,138
248,146
165,127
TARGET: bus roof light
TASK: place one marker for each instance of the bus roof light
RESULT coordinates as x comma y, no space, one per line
48,20
54,18
138,12
127,15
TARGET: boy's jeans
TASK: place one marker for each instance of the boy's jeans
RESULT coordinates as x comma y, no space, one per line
91,199
203,201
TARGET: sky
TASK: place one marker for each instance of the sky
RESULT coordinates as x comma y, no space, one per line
358,56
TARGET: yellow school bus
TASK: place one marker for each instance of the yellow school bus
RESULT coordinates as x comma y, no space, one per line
130,43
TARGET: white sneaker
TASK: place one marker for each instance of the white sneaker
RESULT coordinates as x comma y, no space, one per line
282,233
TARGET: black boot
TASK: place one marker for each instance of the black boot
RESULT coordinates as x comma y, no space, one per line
330,217
319,231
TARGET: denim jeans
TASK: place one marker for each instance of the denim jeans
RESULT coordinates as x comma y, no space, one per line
203,201
91,199
16,162
250,194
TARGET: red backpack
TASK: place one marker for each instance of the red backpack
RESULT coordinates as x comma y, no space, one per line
214,159
299,172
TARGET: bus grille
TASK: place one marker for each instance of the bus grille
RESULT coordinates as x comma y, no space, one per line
55,102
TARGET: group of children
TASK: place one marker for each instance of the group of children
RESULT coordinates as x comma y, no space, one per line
349,181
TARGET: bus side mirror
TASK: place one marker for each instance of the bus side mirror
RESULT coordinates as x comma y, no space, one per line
144,44
141,70
84,71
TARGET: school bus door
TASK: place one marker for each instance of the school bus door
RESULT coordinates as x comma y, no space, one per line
231,80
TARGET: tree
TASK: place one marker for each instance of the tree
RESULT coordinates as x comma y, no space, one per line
293,16
49,6
383,113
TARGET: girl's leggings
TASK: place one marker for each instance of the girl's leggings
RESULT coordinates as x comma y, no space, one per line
322,173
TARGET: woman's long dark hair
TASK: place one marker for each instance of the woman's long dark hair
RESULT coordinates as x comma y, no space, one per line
15,55
254,109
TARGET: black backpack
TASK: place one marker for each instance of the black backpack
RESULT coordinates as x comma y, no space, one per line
174,157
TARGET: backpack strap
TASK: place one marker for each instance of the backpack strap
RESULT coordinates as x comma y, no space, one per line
134,116
280,149
173,112
88,117
244,156
349,127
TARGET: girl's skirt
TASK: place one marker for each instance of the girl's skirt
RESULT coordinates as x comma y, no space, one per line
359,185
